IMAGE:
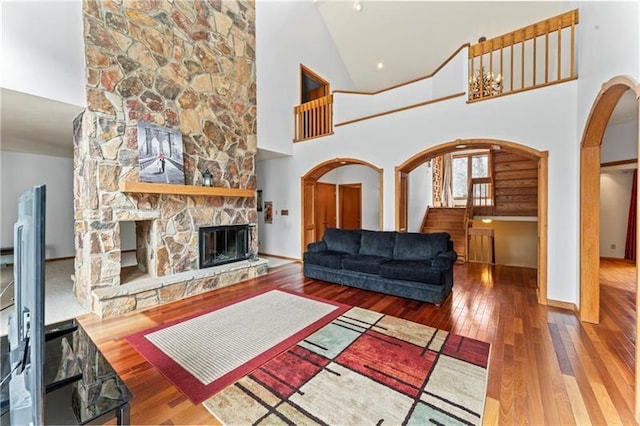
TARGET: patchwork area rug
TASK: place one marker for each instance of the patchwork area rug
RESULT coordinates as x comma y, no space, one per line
207,352
364,368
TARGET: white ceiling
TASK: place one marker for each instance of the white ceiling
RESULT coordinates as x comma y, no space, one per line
36,125
413,38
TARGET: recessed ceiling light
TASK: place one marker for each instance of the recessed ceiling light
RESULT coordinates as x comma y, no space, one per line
343,162
380,65
461,146
486,221
357,6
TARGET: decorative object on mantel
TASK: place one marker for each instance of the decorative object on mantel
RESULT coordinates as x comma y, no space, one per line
268,212
160,154
259,200
207,178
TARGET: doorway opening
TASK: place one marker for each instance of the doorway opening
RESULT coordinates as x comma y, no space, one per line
539,159
591,156
323,206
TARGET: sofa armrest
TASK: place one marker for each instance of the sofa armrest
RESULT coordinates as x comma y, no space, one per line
317,247
444,261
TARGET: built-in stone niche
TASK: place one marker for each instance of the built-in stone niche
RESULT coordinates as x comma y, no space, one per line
135,236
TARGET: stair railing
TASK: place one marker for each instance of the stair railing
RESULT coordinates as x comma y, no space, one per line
480,199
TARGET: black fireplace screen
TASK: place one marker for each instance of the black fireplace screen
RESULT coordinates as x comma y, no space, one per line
223,244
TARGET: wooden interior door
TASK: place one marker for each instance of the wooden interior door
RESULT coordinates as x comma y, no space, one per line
325,208
402,202
308,220
350,206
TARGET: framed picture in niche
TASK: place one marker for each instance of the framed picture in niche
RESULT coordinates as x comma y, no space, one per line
268,212
160,154
259,200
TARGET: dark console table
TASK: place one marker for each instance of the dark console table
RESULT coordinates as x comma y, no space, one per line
81,385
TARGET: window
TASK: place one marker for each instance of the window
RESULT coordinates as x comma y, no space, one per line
475,165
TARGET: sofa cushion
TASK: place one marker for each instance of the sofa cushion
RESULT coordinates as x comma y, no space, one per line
411,271
328,259
364,263
413,246
377,243
342,240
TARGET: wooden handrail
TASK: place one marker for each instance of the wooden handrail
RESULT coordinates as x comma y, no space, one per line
529,32
313,119
487,57
380,114
442,65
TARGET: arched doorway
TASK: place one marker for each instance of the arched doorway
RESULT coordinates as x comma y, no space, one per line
601,110
401,190
590,150
309,185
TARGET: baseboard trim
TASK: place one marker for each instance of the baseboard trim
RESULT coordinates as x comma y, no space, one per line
562,305
277,256
618,259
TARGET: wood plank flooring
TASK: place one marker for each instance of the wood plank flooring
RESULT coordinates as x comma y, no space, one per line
545,368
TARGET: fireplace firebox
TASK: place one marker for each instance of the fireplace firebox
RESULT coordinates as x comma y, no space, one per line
223,244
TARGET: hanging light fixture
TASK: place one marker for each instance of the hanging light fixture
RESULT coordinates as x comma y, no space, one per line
484,83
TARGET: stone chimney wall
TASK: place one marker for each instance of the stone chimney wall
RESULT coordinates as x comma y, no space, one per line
182,64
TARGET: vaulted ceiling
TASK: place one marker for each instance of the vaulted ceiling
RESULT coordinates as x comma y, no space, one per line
412,38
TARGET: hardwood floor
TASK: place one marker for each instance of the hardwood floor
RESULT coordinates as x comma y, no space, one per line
545,368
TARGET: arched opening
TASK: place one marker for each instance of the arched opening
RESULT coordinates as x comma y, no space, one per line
402,199
311,227
599,116
590,160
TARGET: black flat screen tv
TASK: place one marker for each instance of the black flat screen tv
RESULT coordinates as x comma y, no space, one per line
26,325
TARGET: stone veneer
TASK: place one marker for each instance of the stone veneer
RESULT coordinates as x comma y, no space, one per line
183,64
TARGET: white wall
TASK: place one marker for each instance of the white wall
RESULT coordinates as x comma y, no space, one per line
620,142
608,45
615,195
290,33
22,171
515,242
43,50
420,195
547,119
390,140
370,180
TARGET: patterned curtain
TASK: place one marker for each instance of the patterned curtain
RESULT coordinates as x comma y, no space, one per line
436,181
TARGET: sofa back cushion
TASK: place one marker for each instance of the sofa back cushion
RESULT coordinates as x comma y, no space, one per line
377,243
342,240
413,246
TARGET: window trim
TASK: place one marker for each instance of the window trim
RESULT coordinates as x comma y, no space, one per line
469,155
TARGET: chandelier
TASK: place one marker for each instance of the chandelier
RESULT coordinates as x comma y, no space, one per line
484,84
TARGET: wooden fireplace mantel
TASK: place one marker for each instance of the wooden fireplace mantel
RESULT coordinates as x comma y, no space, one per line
164,188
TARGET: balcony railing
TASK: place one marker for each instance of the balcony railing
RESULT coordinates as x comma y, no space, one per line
534,56
314,118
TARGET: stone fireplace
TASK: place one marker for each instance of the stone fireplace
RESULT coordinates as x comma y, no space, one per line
187,65
223,244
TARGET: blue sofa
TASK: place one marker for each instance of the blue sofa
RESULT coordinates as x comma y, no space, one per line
411,265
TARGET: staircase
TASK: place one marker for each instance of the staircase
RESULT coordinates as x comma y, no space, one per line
452,220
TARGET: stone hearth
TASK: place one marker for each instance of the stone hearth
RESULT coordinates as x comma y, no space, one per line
143,293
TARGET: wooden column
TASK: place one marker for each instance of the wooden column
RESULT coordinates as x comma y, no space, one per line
589,225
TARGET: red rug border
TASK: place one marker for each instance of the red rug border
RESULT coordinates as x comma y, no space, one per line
188,384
